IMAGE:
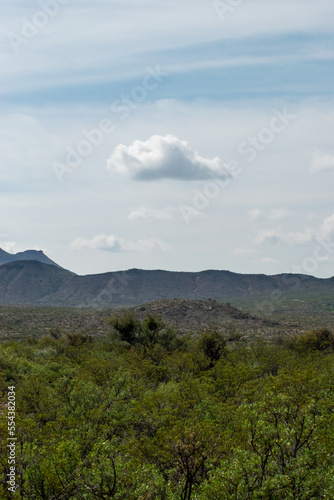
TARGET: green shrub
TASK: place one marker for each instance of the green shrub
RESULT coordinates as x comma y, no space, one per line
320,339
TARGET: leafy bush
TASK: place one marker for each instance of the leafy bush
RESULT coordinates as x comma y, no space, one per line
320,339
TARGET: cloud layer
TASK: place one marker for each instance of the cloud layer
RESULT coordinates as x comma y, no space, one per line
80,33
164,157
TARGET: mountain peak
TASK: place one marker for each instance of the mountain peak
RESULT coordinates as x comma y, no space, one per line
3,252
39,255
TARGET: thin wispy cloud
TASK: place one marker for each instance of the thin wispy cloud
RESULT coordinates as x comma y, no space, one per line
145,213
243,251
268,260
311,235
278,236
271,215
111,243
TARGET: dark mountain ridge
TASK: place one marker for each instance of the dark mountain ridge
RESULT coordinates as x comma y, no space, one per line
29,282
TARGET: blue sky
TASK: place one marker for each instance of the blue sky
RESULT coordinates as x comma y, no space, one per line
174,135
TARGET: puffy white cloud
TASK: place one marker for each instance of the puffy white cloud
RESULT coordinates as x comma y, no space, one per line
321,162
151,214
112,243
164,157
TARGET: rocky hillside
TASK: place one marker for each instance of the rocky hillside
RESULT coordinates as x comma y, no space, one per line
200,314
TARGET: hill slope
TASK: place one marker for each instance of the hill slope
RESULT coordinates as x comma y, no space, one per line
29,282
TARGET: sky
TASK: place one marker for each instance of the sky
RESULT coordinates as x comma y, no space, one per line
163,134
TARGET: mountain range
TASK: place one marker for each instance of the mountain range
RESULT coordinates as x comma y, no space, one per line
31,278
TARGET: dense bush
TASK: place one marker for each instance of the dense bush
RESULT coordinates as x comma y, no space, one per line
320,339
147,414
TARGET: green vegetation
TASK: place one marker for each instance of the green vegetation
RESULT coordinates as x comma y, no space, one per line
144,413
18,323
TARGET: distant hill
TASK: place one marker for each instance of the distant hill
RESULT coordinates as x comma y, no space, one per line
198,314
185,315
30,282
6,258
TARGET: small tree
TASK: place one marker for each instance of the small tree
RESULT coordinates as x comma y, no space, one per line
213,344
127,327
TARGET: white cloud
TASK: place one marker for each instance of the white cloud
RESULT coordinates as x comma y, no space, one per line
164,157
266,235
327,229
243,251
10,246
298,238
151,214
255,214
13,248
278,236
311,235
114,244
272,215
268,260
321,162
